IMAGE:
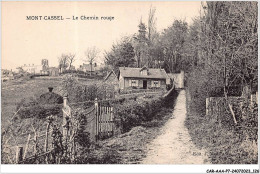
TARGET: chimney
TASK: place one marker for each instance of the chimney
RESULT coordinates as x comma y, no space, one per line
50,89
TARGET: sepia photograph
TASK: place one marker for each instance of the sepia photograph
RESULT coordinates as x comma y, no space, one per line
127,82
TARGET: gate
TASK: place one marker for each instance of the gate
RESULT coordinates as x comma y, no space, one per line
100,121
104,121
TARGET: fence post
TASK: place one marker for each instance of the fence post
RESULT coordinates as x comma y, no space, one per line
26,146
96,115
19,154
251,100
256,96
207,106
65,100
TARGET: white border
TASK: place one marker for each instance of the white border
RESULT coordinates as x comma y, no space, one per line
111,168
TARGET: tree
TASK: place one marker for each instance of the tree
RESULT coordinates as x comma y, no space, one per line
70,58
121,54
151,24
63,62
173,42
141,45
223,42
91,54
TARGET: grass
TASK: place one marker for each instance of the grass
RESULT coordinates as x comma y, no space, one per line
13,93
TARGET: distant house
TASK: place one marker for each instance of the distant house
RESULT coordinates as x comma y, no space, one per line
95,69
37,69
53,71
87,67
142,78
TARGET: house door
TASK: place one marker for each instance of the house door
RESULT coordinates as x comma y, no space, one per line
144,84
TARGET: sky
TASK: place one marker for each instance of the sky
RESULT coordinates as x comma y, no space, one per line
29,41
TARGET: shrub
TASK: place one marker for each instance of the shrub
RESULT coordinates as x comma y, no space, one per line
78,92
135,113
39,111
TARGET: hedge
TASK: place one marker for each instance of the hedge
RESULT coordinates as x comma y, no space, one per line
135,113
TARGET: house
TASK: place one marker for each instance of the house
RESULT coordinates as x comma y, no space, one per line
94,69
142,78
37,69
53,71
87,67
178,79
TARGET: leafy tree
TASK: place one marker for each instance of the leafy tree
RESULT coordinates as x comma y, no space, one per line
140,42
122,54
173,41
223,47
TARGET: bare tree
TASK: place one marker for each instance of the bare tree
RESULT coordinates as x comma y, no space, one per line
91,54
70,58
63,62
151,23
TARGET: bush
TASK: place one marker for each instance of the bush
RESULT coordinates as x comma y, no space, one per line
40,111
135,113
78,92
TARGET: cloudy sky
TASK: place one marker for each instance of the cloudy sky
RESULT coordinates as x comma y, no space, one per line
29,41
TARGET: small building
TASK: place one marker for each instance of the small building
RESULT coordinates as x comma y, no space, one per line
53,71
37,69
142,78
93,69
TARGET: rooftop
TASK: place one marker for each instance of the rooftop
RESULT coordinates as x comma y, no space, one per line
136,72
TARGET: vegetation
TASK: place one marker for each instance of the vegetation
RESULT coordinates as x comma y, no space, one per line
65,61
82,92
91,55
141,112
122,54
226,142
223,56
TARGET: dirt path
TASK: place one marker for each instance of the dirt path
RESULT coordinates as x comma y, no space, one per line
174,145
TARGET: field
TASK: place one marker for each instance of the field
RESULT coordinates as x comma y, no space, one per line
13,92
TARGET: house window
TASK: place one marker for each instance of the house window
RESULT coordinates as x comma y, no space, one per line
133,82
156,84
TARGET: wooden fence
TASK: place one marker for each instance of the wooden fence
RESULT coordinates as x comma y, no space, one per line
217,105
99,121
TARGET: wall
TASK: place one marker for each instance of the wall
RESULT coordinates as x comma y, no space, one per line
124,83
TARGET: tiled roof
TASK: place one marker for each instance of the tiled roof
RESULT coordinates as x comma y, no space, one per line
136,72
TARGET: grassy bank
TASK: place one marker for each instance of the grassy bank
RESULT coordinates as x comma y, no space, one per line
226,144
